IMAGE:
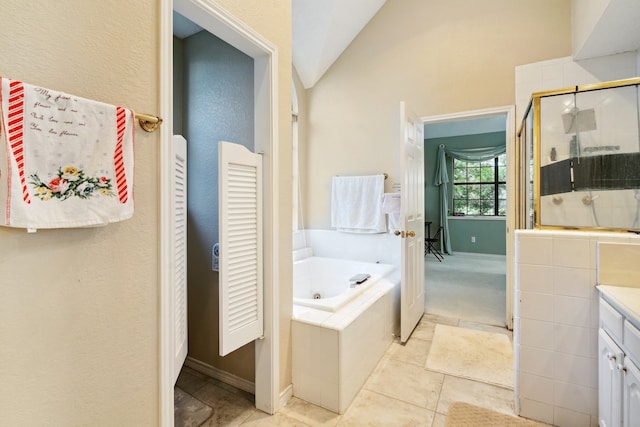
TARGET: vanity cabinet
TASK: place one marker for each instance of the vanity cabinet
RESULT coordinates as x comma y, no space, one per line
618,373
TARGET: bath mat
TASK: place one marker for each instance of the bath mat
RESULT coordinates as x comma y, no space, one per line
471,354
462,414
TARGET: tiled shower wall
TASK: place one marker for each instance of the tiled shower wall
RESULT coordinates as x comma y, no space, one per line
555,309
565,72
556,324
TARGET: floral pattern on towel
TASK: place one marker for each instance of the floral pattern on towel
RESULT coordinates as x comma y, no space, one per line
71,182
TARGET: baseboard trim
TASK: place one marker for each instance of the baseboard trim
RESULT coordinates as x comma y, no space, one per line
285,396
221,375
479,254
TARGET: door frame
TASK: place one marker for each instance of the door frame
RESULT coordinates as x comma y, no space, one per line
509,112
227,27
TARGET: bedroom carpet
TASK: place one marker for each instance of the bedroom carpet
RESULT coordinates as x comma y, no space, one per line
467,286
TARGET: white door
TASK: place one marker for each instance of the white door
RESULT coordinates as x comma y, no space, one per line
179,249
631,393
412,221
609,381
240,225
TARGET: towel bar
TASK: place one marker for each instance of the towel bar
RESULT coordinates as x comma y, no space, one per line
147,122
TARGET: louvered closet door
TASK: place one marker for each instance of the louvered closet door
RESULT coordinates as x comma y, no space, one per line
240,204
179,252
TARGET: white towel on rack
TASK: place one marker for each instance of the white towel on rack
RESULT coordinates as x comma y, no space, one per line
66,161
392,206
356,204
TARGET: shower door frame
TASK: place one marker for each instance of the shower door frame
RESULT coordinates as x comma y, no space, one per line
534,107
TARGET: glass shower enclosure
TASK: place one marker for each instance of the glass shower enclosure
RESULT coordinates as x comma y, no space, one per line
578,155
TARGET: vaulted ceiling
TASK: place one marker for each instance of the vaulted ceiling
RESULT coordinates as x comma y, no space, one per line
322,30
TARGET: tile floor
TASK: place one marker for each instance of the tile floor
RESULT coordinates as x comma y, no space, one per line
400,392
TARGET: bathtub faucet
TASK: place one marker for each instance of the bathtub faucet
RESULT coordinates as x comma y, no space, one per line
358,279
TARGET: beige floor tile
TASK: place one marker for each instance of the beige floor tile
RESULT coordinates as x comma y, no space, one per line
409,383
372,409
309,413
281,419
439,420
383,361
415,351
229,409
424,330
443,320
189,411
480,394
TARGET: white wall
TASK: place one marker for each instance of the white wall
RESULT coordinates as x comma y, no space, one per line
559,73
440,57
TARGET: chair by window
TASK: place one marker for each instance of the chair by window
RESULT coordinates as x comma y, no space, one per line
429,245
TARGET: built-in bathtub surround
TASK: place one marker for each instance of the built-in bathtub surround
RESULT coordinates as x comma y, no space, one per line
335,352
556,324
338,340
382,247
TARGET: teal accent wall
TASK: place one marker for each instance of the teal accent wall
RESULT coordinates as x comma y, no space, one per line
490,234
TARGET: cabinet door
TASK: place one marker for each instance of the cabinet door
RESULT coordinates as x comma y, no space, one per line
631,394
610,382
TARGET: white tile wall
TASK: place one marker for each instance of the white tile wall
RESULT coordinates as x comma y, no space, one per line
555,308
536,410
572,282
556,321
537,387
536,333
565,72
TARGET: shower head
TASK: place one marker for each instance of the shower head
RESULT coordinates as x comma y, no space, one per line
579,120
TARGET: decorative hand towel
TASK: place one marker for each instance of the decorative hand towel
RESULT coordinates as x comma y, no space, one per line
356,204
67,161
391,205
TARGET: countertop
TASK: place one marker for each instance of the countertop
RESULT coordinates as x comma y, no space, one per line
626,299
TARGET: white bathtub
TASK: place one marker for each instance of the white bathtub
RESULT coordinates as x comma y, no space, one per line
323,283
339,339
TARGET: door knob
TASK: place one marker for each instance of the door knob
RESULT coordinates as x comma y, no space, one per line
404,234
